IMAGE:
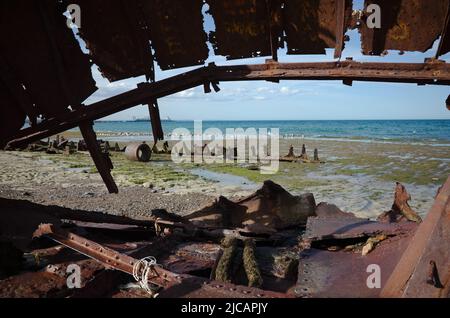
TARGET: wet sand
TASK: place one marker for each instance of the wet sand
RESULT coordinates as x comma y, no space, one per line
356,176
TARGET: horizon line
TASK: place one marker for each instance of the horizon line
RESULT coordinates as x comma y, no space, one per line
173,120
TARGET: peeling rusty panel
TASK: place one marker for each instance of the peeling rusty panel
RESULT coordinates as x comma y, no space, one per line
320,228
114,36
242,28
189,257
196,287
310,25
58,74
48,283
406,25
323,273
176,32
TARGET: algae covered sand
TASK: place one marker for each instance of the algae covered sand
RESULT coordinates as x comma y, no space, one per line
356,176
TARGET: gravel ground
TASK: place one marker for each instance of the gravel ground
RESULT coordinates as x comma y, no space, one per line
136,202
26,176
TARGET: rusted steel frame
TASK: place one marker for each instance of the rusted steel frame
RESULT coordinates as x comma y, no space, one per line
340,26
430,243
159,276
111,105
102,163
436,73
155,118
443,34
103,254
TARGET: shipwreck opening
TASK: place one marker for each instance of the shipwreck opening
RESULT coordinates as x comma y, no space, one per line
271,243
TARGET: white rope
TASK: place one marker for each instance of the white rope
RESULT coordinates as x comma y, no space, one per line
141,270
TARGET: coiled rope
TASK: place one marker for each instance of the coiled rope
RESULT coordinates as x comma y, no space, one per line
141,270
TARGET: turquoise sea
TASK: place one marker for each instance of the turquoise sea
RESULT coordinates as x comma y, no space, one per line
435,132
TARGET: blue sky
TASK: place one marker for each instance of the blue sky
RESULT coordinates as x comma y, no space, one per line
292,100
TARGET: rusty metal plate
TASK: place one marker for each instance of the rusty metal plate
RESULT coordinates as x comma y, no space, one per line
115,38
323,273
176,32
242,28
50,282
196,287
189,257
310,25
320,228
42,53
406,25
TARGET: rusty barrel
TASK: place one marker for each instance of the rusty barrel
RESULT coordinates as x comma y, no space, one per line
138,152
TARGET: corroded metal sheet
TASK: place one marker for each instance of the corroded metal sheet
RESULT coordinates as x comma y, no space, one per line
310,25
49,282
115,38
176,32
196,287
321,228
189,257
406,25
242,28
41,52
324,273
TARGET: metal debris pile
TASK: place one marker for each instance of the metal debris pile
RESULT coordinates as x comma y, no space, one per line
303,157
269,244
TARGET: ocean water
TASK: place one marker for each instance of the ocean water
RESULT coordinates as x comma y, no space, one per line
435,132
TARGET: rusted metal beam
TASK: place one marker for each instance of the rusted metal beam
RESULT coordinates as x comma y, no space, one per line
437,73
272,16
433,73
155,118
340,27
101,160
428,247
181,285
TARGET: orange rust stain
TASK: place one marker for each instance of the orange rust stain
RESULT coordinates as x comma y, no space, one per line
400,32
247,29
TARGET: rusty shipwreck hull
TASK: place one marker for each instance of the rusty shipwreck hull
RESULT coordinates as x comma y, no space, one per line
38,81
326,257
